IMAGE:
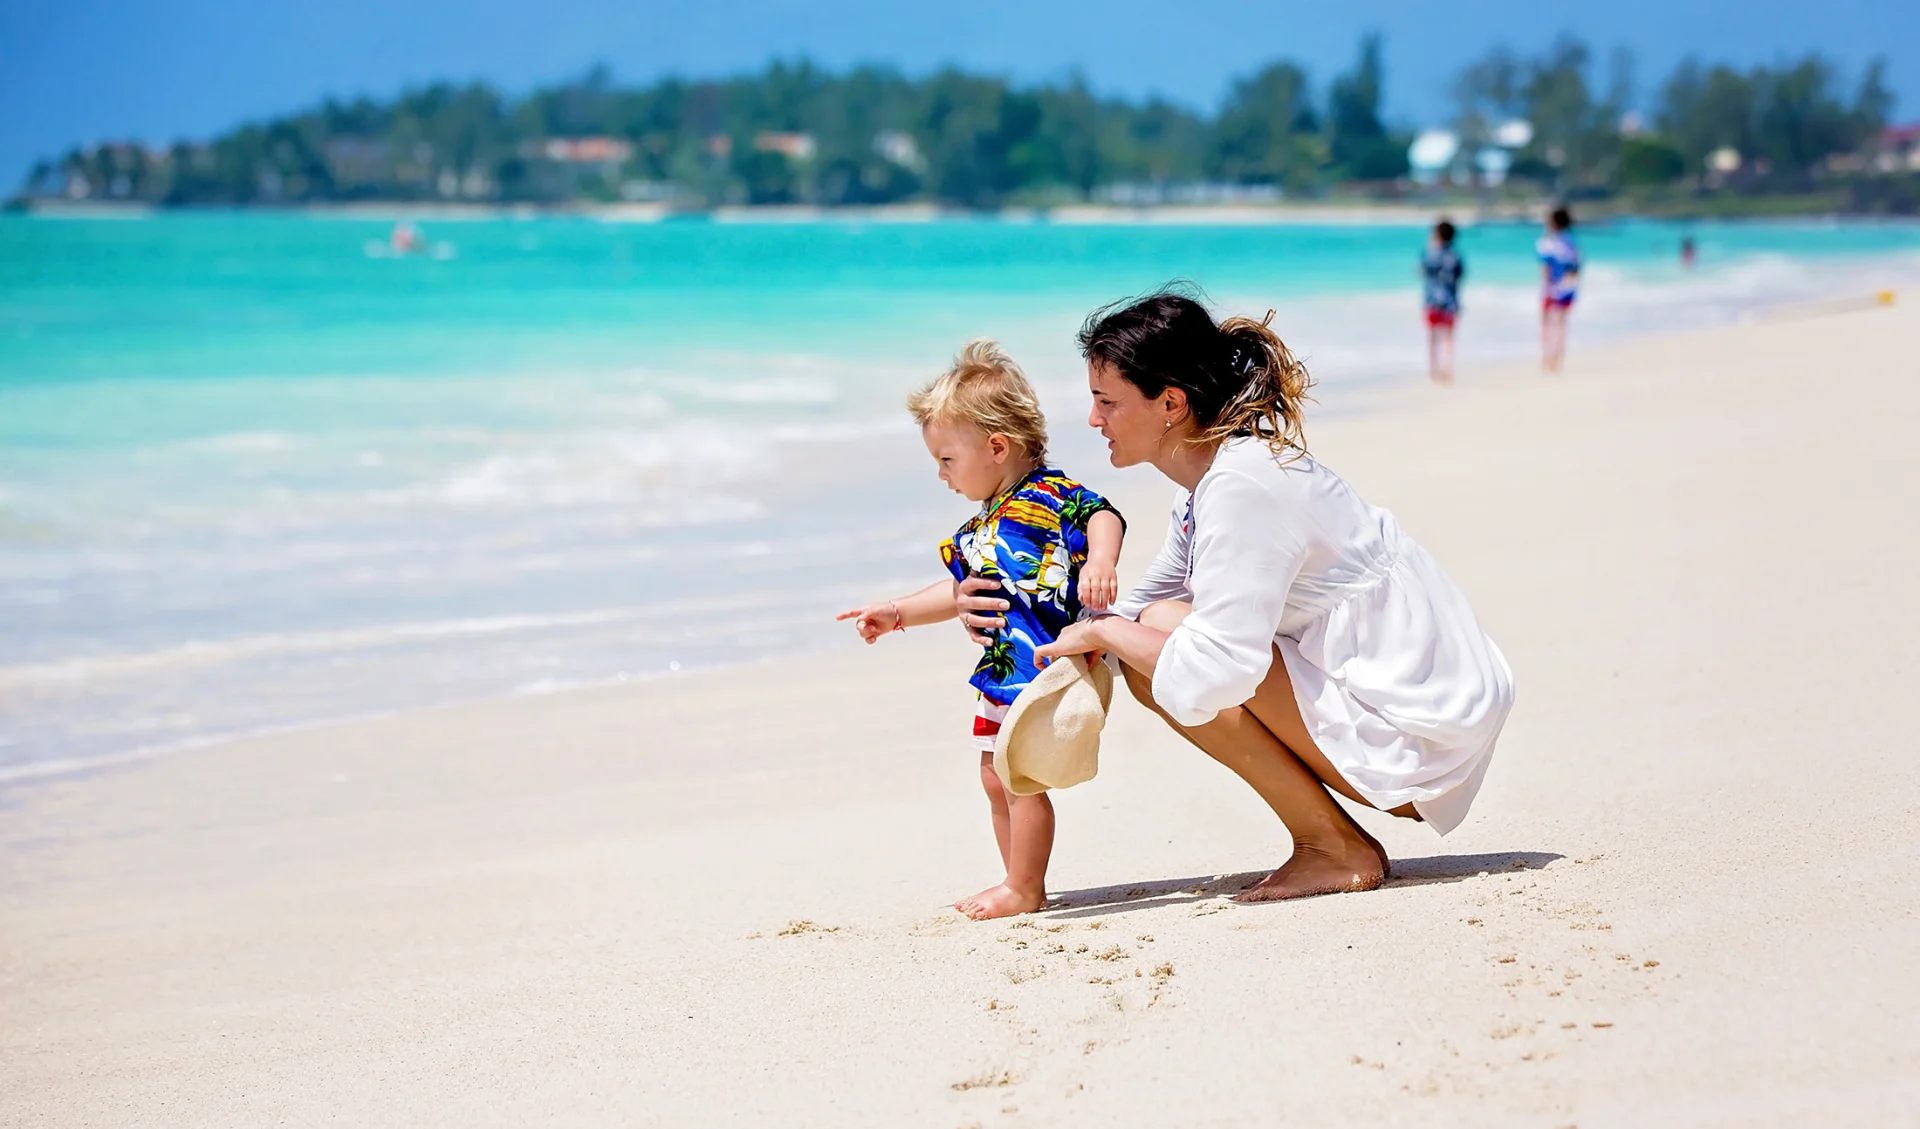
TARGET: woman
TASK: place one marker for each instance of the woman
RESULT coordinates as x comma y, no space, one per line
1287,628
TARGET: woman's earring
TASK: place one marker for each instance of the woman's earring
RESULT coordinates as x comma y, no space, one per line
1167,428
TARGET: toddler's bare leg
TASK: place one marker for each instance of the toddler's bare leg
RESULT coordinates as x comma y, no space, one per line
997,801
1025,889
1002,821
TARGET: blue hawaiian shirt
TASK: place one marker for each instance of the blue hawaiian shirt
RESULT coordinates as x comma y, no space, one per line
1441,269
1562,260
1033,540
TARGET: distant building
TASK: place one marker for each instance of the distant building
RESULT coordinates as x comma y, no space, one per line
793,146
585,150
1432,154
1897,148
1515,133
899,147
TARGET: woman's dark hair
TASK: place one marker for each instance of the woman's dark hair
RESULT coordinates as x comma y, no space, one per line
1561,219
1239,377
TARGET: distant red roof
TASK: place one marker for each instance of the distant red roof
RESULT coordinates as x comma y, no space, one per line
1895,135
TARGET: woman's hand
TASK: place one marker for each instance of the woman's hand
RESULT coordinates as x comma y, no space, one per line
978,612
874,620
1099,586
1081,638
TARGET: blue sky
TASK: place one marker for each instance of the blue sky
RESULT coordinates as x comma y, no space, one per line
83,70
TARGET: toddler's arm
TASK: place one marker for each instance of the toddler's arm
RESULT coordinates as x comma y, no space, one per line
931,604
1100,577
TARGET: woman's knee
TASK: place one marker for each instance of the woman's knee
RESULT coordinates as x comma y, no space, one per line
1165,615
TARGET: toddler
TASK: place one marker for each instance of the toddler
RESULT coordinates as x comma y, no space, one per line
1051,543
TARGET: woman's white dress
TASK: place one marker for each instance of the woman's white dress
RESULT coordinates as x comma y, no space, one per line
1398,684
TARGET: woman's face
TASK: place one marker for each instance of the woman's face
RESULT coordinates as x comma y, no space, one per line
1132,423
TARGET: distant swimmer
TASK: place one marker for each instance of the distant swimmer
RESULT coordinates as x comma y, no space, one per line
1441,269
1559,284
406,239
1687,252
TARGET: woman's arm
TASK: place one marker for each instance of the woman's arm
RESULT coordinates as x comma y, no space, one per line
1246,554
1166,577
1248,548
1134,644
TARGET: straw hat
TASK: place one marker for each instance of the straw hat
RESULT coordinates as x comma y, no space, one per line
1051,737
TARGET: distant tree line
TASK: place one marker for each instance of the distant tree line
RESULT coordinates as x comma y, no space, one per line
1778,127
795,133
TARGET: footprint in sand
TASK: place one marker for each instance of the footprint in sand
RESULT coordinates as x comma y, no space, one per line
987,1080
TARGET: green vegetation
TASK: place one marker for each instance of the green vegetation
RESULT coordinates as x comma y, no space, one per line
797,134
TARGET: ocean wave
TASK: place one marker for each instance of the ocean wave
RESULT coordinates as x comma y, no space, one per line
244,443
94,668
75,765
25,676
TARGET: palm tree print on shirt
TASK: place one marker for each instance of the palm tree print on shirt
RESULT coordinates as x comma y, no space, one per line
1033,541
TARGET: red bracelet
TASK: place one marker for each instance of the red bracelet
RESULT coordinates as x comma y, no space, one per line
899,623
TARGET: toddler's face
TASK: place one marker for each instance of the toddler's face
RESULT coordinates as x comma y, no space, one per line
971,462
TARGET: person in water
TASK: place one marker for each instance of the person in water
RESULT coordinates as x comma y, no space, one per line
1441,269
1559,284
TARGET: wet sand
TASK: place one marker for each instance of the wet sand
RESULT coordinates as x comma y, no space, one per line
1688,893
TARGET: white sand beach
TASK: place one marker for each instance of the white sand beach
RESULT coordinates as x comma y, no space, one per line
1689,893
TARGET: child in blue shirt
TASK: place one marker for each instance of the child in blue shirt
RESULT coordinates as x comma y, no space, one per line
1052,544
1559,284
1441,269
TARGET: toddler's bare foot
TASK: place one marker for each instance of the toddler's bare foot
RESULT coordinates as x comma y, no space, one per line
1311,871
1001,901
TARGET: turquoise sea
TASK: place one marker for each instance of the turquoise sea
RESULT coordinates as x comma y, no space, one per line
257,470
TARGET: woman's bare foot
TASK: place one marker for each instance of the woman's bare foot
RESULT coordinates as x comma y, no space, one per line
1313,871
1000,901
1386,864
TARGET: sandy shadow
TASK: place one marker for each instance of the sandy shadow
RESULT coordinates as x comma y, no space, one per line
1098,900
1458,868
1145,895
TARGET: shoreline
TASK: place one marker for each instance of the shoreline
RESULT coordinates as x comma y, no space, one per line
1466,213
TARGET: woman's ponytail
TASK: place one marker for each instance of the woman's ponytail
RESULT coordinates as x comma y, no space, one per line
1271,403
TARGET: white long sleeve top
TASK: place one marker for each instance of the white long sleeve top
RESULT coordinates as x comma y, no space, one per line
1396,680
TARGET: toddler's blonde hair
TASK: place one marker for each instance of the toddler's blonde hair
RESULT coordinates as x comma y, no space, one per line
984,388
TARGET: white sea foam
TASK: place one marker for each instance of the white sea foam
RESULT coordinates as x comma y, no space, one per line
245,443
100,668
